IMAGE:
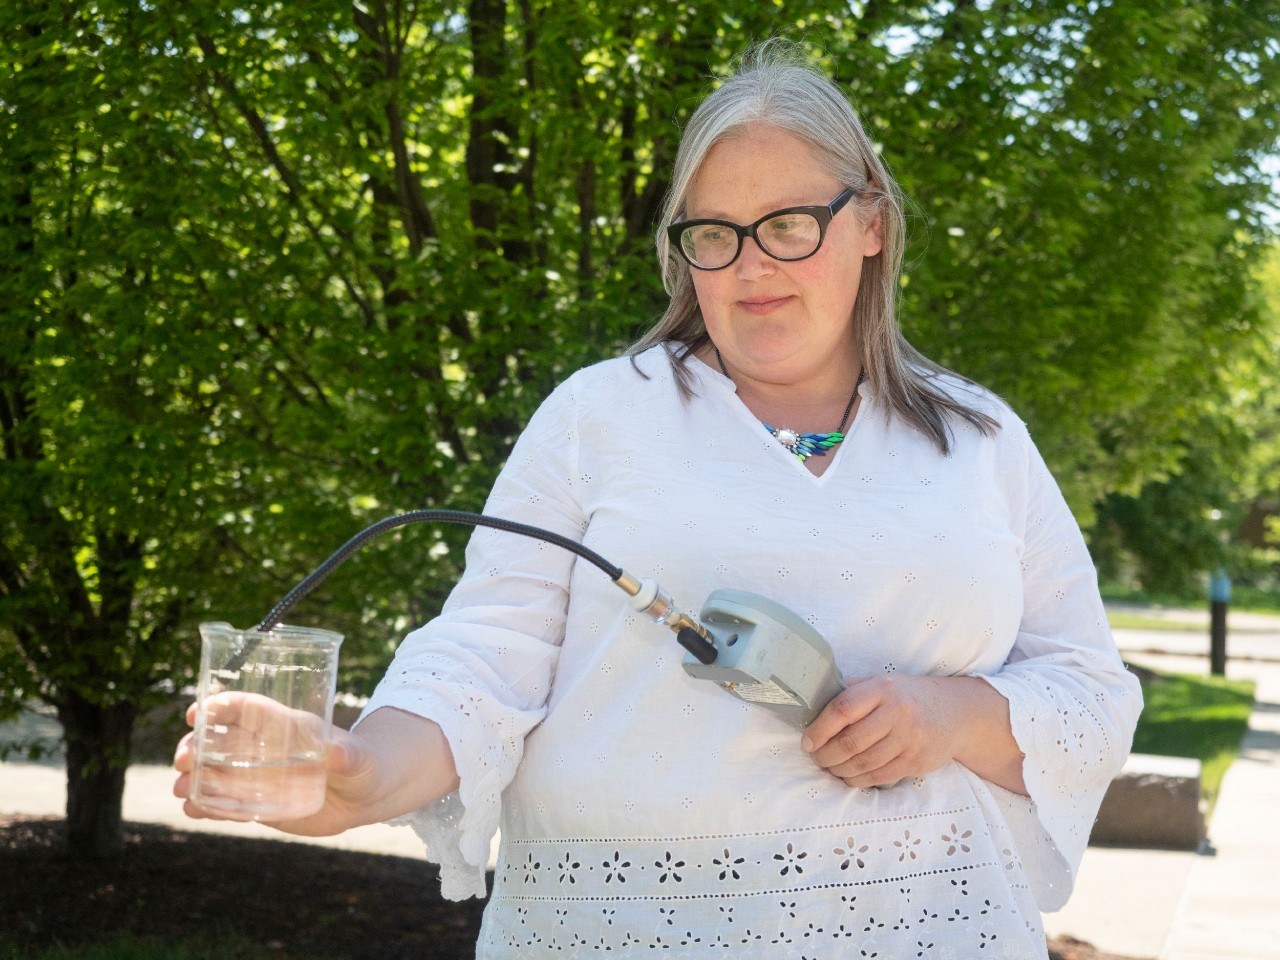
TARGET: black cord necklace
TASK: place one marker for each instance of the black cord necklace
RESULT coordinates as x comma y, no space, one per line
805,445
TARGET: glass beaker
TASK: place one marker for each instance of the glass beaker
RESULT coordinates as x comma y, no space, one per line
263,714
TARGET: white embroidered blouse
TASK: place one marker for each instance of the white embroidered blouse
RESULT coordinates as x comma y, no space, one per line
642,810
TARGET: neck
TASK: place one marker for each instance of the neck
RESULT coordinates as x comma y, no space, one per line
806,407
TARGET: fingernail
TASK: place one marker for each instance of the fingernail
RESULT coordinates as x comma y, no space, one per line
806,744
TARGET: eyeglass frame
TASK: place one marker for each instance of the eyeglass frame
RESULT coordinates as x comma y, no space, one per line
823,213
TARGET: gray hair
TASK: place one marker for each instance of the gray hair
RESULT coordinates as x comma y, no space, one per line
775,86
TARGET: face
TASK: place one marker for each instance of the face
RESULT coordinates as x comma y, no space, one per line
773,321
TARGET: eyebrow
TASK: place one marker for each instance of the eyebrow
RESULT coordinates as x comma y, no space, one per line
804,202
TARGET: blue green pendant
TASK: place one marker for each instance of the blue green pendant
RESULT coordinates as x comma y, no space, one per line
805,445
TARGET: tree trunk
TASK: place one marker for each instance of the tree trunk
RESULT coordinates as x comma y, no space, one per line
492,135
98,744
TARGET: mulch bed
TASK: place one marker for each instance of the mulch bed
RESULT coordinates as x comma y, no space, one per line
294,899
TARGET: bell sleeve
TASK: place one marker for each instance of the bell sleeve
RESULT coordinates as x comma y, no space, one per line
1073,705
483,668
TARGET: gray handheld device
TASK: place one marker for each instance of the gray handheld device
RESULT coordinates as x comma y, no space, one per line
751,646
767,656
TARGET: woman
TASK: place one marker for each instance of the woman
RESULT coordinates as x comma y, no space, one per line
773,433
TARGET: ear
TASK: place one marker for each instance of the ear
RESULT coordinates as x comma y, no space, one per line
873,236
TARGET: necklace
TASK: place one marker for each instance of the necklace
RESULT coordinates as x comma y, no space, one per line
805,445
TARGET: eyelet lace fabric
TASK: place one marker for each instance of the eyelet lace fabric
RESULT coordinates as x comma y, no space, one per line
642,811
894,885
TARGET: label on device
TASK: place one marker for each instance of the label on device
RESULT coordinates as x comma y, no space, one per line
768,692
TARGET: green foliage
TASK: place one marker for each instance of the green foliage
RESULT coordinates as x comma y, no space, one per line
1255,599
1086,248
1179,525
1200,717
271,272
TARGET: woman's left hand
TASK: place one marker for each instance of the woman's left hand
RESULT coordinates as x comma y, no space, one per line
882,729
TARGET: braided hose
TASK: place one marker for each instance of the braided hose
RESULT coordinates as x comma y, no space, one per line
318,575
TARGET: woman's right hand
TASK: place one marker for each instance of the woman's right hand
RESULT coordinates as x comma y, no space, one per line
395,763
350,776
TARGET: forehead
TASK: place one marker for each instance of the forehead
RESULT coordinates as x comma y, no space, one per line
754,170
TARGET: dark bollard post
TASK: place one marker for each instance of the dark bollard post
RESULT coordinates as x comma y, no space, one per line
1219,598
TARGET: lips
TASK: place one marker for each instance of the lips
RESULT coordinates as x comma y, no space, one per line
760,306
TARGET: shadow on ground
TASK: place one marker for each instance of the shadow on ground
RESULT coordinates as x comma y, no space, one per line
296,900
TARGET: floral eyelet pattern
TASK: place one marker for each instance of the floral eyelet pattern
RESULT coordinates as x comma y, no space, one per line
794,894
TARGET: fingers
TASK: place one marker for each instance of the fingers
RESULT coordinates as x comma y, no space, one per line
865,744
250,711
194,812
847,725
184,755
865,762
887,776
250,725
182,790
199,813
258,750
871,734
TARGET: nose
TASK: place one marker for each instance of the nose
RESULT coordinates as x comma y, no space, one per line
753,262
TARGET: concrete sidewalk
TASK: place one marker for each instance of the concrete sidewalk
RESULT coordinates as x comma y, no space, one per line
1221,905
40,790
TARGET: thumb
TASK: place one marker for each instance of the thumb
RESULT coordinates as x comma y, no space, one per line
342,757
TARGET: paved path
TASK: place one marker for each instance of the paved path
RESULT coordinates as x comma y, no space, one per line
40,789
1139,903
1184,906
1231,905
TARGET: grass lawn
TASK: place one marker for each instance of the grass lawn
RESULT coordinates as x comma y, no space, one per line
1195,716
1251,599
1130,620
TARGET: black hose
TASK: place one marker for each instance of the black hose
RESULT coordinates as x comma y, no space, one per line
314,578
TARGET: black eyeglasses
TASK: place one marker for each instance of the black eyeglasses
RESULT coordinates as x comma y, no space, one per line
793,233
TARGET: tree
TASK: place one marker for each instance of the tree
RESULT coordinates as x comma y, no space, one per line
124,478
272,271
1216,506
1090,193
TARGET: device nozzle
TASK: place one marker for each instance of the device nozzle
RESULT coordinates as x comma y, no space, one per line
697,644
649,598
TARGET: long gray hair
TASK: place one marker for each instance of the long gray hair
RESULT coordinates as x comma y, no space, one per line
775,86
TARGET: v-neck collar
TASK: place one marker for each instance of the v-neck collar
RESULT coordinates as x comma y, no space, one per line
716,378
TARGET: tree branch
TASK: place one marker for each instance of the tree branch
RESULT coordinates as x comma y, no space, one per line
293,186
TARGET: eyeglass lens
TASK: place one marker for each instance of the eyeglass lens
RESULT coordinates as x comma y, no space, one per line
788,236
